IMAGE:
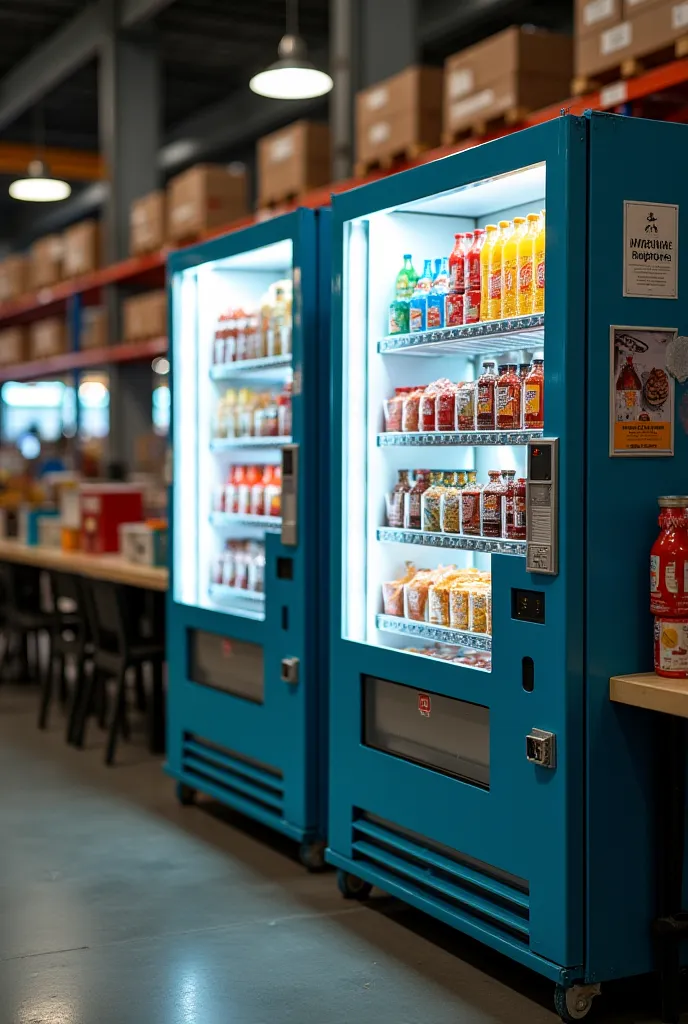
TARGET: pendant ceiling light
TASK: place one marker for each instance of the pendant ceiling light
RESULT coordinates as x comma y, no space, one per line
292,76
39,186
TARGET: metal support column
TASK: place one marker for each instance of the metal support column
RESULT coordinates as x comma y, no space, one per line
130,108
390,38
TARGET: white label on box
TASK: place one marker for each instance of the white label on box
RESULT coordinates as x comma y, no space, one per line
597,10
679,16
377,98
182,212
473,105
379,132
650,250
461,82
282,149
617,38
612,95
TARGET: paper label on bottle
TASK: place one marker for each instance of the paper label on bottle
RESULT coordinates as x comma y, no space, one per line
525,275
532,400
670,581
416,319
434,315
485,407
454,310
506,401
671,646
679,16
617,38
540,275
495,284
650,250
596,11
654,573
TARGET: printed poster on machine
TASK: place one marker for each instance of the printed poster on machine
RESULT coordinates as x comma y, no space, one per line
642,392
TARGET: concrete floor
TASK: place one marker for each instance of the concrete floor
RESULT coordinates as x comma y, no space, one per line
119,907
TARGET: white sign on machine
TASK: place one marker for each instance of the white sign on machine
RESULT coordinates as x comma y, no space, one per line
650,250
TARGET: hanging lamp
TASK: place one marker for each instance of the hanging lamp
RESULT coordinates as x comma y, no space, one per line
39,186
292,76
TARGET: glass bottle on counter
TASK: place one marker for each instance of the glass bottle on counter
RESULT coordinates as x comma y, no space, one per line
450,511
470,506
509,503
413,512
508,399
397,499
431,504
492,495
534,397
485,419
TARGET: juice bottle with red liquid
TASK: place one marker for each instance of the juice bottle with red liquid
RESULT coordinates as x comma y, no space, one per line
258,492
534,397
457,262
485,419
470,506
508,399
251,477
492,505
413,510
236,478
669,559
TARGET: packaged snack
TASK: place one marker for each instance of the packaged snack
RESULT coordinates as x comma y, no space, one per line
410,410
459,605
479,620
416,592
450,509
431,504
428,403
393,408
445,405
465,406
393,592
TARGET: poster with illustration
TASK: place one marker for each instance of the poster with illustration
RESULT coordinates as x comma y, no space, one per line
642,392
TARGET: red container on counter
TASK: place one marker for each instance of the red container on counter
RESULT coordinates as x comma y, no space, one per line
669,559
103,508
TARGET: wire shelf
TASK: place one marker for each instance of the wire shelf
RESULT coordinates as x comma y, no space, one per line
440,634
523,332
468,438
457,542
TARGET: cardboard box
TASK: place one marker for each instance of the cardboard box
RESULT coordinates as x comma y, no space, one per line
13,345
204,197
293,160
512,92
94,328
45,268
650,31
14,277
81,249
400,114
147,227
47,338
596,15
518,69
145,316
632,7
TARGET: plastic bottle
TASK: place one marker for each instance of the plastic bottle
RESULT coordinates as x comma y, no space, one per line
485,419
470,506
526,264
258,492
457,263
669,560
539,269
472,274
520,510
397,499
419,301
406,279
491,236
508,399
437,296
534,397
412,508
492,505
494,299
510,269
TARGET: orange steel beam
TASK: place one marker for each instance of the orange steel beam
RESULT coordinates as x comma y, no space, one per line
73,164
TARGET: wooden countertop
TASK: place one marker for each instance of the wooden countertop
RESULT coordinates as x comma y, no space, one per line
101,567
648,690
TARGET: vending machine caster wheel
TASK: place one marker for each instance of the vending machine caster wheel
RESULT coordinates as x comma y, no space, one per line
312,856
574,1003
352,887
185,794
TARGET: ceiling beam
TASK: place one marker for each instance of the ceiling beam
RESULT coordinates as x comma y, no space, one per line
137,12
72,164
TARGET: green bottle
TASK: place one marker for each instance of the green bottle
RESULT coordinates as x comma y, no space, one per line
406,280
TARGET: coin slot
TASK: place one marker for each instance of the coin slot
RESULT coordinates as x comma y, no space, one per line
528,674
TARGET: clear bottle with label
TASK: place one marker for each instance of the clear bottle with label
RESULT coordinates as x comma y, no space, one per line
509,503
520,530
412,508
485,417
470,506
492,495
534,397
397,499
450,510
431,504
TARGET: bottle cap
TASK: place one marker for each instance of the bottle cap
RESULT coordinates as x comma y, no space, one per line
673,501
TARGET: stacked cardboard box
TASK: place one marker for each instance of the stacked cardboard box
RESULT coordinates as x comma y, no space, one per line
293,160
13,345
505,76
81,249
398,117
47,338
204,197
145,316
45,262
94,328
14,277
147,226
642,29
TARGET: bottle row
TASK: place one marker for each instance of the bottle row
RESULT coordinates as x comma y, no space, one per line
457,598
250,491
246,333
481,660
454,502
510,398
491,274
247,413
241,565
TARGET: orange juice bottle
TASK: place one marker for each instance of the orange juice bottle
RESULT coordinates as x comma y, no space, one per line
539,269
510,269
491,236
494,299
526,261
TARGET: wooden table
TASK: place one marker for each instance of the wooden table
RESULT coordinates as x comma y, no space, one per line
112,568
669,697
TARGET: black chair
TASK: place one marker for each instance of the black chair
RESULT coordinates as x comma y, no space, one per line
26,614
121,647
71,641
